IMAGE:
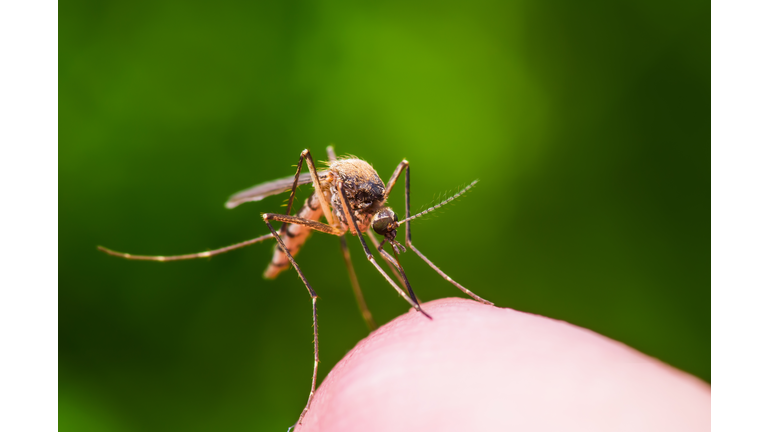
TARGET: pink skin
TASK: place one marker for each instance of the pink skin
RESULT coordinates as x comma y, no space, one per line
482,368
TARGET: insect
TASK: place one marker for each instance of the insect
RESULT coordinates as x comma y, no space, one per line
351,197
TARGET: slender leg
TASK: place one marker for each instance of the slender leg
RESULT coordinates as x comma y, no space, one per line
327,211
391,183
356,287
318,226
408,240
404,165
396,261
284,227
205,254
313,295
389,264
348,215
317,200
351,270
309,223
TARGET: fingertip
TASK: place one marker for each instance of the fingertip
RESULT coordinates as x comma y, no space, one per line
474,366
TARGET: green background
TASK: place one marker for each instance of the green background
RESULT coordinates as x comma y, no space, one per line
587,124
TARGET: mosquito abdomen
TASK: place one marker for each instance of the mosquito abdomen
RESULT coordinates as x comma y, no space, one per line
294,237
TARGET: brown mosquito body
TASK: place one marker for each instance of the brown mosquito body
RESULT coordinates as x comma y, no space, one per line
351,197
365,192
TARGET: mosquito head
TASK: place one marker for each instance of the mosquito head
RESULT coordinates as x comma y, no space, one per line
385,223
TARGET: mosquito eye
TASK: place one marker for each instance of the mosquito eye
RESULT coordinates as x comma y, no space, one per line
380,225
382,220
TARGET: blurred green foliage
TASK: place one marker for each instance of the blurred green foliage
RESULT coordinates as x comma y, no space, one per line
587,124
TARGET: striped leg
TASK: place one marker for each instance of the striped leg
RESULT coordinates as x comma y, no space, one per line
313,295
317,226
405,165
348,215
206,254
309,223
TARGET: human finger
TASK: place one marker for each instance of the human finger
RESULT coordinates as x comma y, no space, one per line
476,367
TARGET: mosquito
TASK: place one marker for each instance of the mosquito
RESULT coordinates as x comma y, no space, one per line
351,197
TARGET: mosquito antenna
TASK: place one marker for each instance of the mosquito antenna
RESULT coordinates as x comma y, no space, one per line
187,256
437,206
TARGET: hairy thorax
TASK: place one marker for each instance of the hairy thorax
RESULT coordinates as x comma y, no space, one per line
364,190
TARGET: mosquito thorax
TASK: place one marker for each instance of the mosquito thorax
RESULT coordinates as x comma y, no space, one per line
385,223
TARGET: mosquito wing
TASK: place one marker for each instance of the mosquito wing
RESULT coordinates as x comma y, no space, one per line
274,187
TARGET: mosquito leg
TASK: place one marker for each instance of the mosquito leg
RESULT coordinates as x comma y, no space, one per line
313,295
309,223
356,287
448,278
409,242
378,246
351,270
396,261
327,211
284,227
389,264
348,215
280,261
395,175
305,154
186,256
